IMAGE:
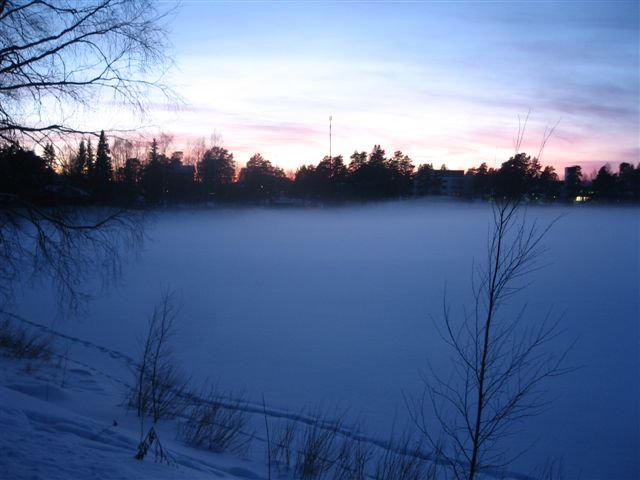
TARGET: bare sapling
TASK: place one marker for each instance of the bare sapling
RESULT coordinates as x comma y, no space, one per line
500,362
160,386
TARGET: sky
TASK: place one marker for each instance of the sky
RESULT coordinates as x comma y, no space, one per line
445,82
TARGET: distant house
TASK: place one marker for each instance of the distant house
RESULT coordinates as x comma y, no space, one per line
60,190
450,183
179,179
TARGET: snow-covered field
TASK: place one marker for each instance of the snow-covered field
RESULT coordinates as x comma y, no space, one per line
65,420
335,307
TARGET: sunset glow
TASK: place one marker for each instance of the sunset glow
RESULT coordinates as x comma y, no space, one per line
445,82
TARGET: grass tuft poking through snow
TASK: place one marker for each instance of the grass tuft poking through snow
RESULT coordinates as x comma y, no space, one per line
20,342
217,427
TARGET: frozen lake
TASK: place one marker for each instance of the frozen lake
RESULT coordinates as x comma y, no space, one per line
336,307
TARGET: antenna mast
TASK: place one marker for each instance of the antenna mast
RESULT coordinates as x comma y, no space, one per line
330,118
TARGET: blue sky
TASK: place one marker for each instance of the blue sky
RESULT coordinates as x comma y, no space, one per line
445,82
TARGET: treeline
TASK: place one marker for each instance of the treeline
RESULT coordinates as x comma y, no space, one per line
89,176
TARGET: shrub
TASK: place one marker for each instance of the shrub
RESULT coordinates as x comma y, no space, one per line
159,387
400,461
215,426
20,342
352,460
282,448
316,452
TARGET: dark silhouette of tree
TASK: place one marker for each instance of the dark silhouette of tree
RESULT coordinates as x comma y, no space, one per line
153,176
154,155
216,170
514,177
91,160
370,178
400,170
377,156
261,181
77,169
304,183
572,182
338,177
324,170
179,179
424,179
483,181
22,172
131,177
49,156
629,181
327,180
358,161
604,185
122,149
521,176
534,171
548,183
533,186
102,170
132,173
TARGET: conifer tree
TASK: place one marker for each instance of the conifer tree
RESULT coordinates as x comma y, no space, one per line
79,162
102,169
152,178
49,156
91,160
154,156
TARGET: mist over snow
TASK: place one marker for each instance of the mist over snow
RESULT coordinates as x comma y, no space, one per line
336,307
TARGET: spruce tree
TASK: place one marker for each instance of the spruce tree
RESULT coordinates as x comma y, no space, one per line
79,162
91,160
102,169
154,156
152,179
49,156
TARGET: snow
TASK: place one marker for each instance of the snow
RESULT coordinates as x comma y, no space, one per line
68,422
333,307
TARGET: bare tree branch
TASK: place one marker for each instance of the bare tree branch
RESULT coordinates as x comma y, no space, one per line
500,363
66,245
54,54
